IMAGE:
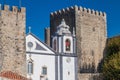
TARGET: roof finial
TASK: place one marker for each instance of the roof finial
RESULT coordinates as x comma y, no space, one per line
73,31
63,21
29,29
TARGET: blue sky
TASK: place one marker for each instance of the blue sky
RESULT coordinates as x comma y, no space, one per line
38,12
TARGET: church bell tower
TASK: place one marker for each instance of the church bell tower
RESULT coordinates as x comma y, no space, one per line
63,42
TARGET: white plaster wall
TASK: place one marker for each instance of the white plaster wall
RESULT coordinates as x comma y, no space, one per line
58,67
68,67
60,44
42,60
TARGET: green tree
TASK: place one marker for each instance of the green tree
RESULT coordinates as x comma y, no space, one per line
113,46
111,65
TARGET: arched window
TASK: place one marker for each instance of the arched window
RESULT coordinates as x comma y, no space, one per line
54,45
67,45
30,67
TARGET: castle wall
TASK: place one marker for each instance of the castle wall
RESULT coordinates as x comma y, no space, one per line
88,76
12,39
91,37
90,27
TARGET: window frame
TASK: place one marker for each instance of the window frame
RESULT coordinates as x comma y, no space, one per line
30,67
69,43
44,70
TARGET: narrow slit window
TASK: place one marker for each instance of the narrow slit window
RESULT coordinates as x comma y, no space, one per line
54,45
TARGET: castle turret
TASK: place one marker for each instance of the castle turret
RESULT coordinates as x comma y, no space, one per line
12,39
47,36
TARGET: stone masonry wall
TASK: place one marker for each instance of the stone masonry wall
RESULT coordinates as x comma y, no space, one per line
90,27
91,37
89,76
12,40
47,36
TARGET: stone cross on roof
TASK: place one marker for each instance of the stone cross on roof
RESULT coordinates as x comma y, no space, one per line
29,29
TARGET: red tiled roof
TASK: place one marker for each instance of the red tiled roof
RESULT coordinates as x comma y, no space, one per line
12,76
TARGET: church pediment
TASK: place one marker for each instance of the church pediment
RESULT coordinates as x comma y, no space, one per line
34,45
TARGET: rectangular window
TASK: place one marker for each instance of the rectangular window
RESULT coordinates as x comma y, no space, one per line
44,71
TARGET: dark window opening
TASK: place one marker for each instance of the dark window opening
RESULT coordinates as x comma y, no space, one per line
67,45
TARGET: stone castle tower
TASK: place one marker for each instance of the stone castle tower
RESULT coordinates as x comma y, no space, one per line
90,29
47,36
12,39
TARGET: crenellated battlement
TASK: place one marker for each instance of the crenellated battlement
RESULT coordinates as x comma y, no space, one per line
79,8
12,8
63,11
12,30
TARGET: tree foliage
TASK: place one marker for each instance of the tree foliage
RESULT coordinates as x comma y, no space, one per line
111,65
113,46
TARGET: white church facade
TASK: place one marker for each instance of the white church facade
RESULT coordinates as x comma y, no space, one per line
56,63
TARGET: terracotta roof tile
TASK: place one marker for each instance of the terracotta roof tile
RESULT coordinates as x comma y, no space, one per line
12,76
